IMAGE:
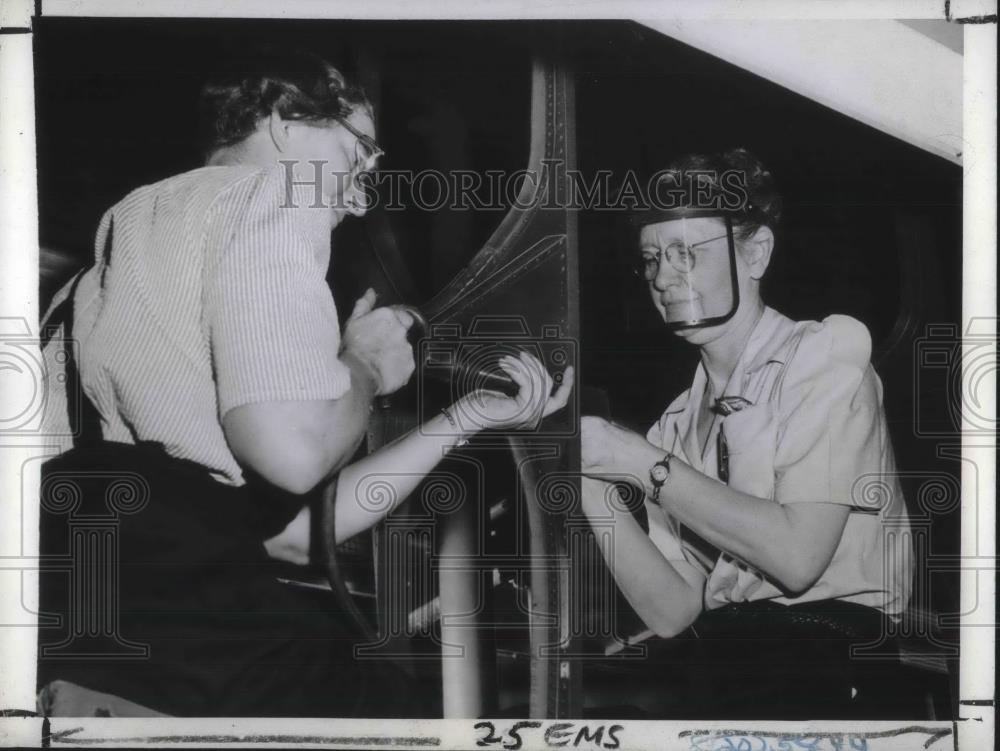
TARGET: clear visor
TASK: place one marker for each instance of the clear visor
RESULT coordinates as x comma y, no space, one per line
692,278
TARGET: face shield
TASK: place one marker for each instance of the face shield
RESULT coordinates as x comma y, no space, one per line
688,259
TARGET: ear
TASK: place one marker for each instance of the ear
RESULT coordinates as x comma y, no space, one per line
278,130
757,251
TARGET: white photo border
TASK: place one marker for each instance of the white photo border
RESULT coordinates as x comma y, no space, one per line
19,264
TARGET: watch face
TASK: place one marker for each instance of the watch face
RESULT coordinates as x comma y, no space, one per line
658,473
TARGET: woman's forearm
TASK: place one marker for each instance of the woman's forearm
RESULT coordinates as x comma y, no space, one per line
666,601
792,544
297,445
372,487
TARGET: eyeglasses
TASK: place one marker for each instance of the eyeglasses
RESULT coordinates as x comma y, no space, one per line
366,149
679,255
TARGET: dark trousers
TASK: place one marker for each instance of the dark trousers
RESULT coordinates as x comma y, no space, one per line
767,660
763,660
150,553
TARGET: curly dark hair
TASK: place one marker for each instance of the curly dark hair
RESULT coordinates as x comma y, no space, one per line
735,181
247,88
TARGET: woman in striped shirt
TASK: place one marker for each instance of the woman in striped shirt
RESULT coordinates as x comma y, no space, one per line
208,352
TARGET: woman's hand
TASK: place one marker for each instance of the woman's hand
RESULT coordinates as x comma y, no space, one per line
608,449
485,410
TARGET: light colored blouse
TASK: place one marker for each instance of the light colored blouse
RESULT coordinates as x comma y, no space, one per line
814,432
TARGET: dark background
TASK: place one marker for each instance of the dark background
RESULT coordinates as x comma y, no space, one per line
871,229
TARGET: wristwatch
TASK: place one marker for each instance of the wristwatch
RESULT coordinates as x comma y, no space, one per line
658,475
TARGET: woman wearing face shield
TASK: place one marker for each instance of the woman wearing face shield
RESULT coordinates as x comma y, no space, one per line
764,543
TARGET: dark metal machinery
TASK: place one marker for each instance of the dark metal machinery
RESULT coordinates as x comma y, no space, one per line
519,291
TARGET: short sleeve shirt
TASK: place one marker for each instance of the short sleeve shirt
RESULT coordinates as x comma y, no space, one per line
208,292
814,431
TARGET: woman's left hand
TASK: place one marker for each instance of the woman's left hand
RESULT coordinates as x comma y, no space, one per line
484,410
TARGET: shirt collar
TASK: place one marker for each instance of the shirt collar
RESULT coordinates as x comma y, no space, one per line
768,343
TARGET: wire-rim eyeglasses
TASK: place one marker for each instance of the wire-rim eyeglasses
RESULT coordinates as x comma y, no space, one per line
679,255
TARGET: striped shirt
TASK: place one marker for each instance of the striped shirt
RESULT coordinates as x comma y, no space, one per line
207,292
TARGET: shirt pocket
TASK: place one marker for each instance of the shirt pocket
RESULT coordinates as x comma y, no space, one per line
751,435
